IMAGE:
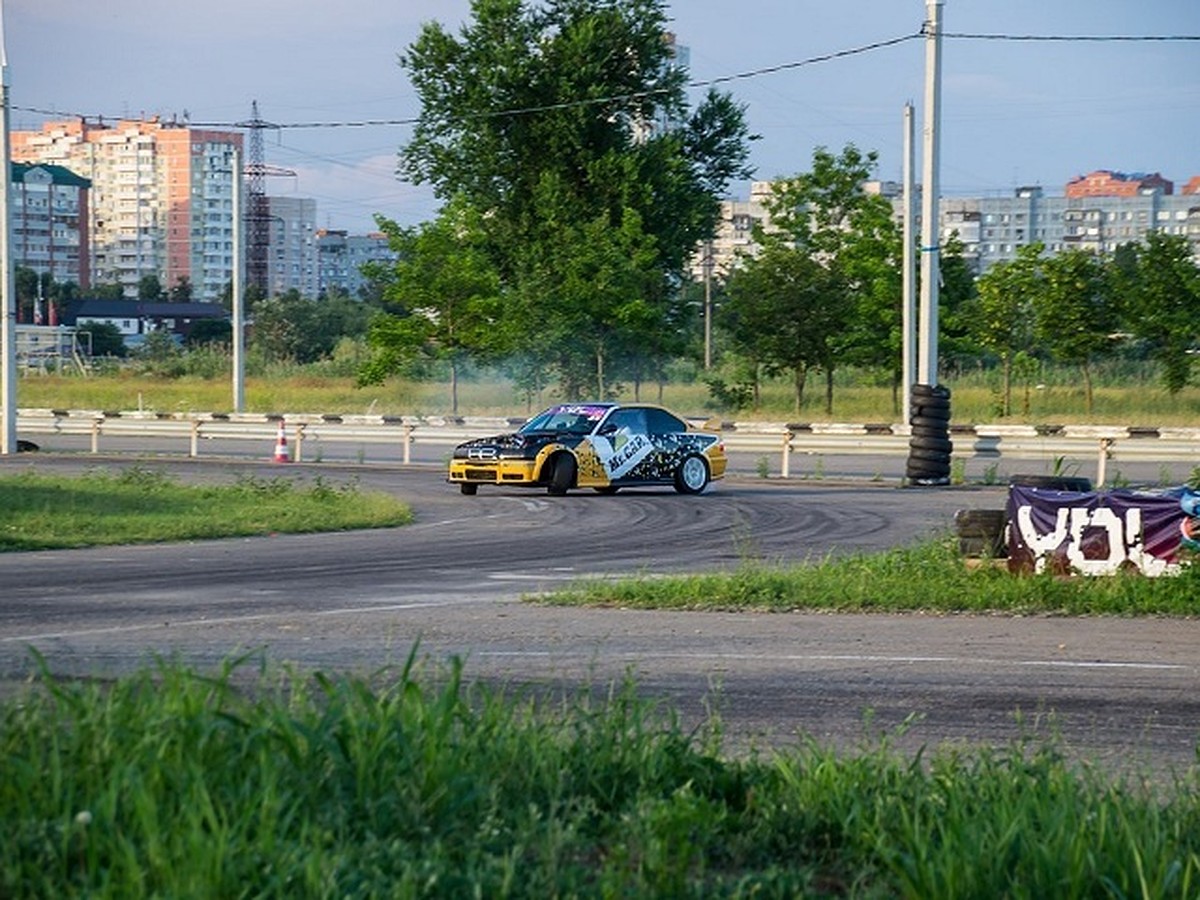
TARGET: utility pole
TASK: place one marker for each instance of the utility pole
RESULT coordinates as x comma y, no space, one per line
708,308
927,365
909,267
238,289
8,302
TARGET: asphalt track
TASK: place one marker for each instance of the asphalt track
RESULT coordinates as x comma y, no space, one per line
1121,691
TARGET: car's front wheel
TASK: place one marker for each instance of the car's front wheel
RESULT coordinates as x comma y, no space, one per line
692,475
562,478
469,489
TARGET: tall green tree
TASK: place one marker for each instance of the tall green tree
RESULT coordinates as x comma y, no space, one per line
956,295
444,298
568,119
1002,315
1158,289
786,310
150,289
291,328
843,287
181,290
1074,315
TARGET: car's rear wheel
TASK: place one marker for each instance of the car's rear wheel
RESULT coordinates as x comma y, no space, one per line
692,475
562,478
469,489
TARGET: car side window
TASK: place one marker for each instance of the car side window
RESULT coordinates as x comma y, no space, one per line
662,422
629,420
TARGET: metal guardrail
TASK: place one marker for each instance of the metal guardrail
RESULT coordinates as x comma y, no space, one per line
1037,442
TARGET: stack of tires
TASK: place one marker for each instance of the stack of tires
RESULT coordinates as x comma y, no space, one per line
929,446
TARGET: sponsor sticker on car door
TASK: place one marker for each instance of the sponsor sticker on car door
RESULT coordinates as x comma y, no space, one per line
621,452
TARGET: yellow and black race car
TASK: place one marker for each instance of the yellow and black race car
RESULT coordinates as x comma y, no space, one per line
604,446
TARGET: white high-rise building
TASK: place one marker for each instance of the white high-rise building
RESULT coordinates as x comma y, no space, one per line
161,200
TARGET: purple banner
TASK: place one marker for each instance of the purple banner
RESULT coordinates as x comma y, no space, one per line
1101,532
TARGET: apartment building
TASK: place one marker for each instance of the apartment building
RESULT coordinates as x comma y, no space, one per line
735,234
993,229
48,212
1098,212
292,246
341,256
161,198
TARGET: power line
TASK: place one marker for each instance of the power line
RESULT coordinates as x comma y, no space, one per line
1076,38
710,82
567,104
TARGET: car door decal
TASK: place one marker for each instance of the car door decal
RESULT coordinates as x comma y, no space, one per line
620,453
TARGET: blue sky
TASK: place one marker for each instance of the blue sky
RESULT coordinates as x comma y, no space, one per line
1014,113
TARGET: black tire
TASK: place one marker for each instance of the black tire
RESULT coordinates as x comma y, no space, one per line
469,489
927,462
608,490
933,401
692,476
930,390
929,480
927,473
562,478
940,457
939,444
931,421
938,429
1053,482
26,446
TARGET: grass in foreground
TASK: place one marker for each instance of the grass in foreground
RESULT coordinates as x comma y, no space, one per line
143,506
173,783
929,577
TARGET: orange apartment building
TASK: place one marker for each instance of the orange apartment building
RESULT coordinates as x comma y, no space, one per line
1105,183
161,200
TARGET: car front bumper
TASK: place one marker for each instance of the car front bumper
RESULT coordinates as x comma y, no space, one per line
497,471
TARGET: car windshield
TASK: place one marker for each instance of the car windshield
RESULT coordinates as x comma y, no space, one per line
572,418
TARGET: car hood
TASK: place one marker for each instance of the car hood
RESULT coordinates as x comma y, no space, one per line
511,442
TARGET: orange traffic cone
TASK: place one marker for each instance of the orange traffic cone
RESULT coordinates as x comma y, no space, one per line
281,447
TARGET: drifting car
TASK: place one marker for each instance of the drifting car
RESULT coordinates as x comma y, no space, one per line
603,446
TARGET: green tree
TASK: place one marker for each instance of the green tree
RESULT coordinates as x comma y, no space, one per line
25,284
103,338
210,331
181,290
1074,315
563,121
106,291
1158,286
150,289
848,285
602,285
444,297
1002,314
956,296
785,311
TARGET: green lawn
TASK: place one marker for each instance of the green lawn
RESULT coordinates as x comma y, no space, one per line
140,505
884,582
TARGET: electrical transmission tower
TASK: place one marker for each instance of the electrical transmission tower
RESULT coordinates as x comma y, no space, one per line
258,212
